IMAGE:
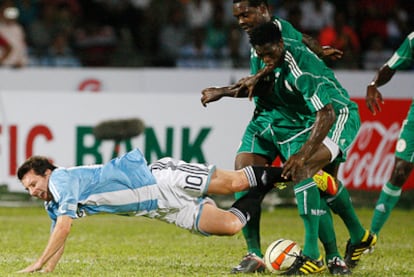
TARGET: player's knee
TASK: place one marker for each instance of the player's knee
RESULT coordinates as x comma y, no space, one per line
402,171
233,225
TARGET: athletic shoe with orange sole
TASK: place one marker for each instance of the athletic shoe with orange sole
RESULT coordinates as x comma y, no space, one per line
325,182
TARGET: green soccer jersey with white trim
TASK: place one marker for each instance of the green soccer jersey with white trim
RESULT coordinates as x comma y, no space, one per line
401,59
404,56
303,86
283,117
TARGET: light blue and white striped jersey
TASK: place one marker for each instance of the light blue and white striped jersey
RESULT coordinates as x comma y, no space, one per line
123,185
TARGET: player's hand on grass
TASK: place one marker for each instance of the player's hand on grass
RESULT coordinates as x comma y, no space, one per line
373,99
332,53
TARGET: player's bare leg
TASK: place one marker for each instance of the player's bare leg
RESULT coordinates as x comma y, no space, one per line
228,182
216,221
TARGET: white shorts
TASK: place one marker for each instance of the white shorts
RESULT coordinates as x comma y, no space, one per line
183,187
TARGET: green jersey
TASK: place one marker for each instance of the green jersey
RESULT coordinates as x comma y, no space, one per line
303,85
267,103
401,59
404,56
259,136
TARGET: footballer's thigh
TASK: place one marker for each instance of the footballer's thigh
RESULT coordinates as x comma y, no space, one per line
216,221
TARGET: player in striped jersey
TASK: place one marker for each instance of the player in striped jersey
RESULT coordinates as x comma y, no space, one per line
169,190
249,14
259,143
404,152
310,121
319,124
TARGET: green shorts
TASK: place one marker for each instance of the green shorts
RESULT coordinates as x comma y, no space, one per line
405,144
258,138
342,133
265,137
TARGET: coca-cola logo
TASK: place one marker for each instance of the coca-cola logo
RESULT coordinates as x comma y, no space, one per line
370,160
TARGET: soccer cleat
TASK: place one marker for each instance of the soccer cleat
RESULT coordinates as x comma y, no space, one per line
250,263
325,182
337,266
305,265
354,252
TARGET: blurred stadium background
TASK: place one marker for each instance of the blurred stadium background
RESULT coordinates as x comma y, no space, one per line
159,33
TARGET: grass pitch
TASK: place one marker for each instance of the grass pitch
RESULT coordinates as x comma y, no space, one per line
109,245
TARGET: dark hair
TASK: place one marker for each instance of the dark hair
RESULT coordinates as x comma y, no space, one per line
38,164
265,33
252,3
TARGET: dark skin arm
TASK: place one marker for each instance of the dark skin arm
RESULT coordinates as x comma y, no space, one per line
248,84
321,51
213,94
245,87
373,99
325,118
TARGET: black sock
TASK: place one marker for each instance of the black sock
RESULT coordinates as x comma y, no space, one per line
264,177
248,206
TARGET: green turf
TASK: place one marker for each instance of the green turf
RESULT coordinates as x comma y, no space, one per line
111,245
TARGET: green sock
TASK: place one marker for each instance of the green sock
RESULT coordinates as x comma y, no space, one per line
388,198
308,201
251,231
327,232
341,204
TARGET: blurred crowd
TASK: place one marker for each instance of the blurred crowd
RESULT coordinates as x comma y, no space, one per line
188,33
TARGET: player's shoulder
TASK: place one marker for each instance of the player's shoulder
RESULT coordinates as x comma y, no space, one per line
297,50
59,172
280,21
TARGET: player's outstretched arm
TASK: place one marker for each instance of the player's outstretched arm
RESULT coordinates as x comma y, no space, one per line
213,94
373,98
56,243
250,86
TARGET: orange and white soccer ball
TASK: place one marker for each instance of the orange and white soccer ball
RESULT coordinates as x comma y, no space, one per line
281,254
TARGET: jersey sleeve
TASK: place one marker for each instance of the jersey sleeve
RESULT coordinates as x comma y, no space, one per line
65,191
311,78
403,57
288,31
314,89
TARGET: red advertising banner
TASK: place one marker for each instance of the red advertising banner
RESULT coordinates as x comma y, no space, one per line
371,159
